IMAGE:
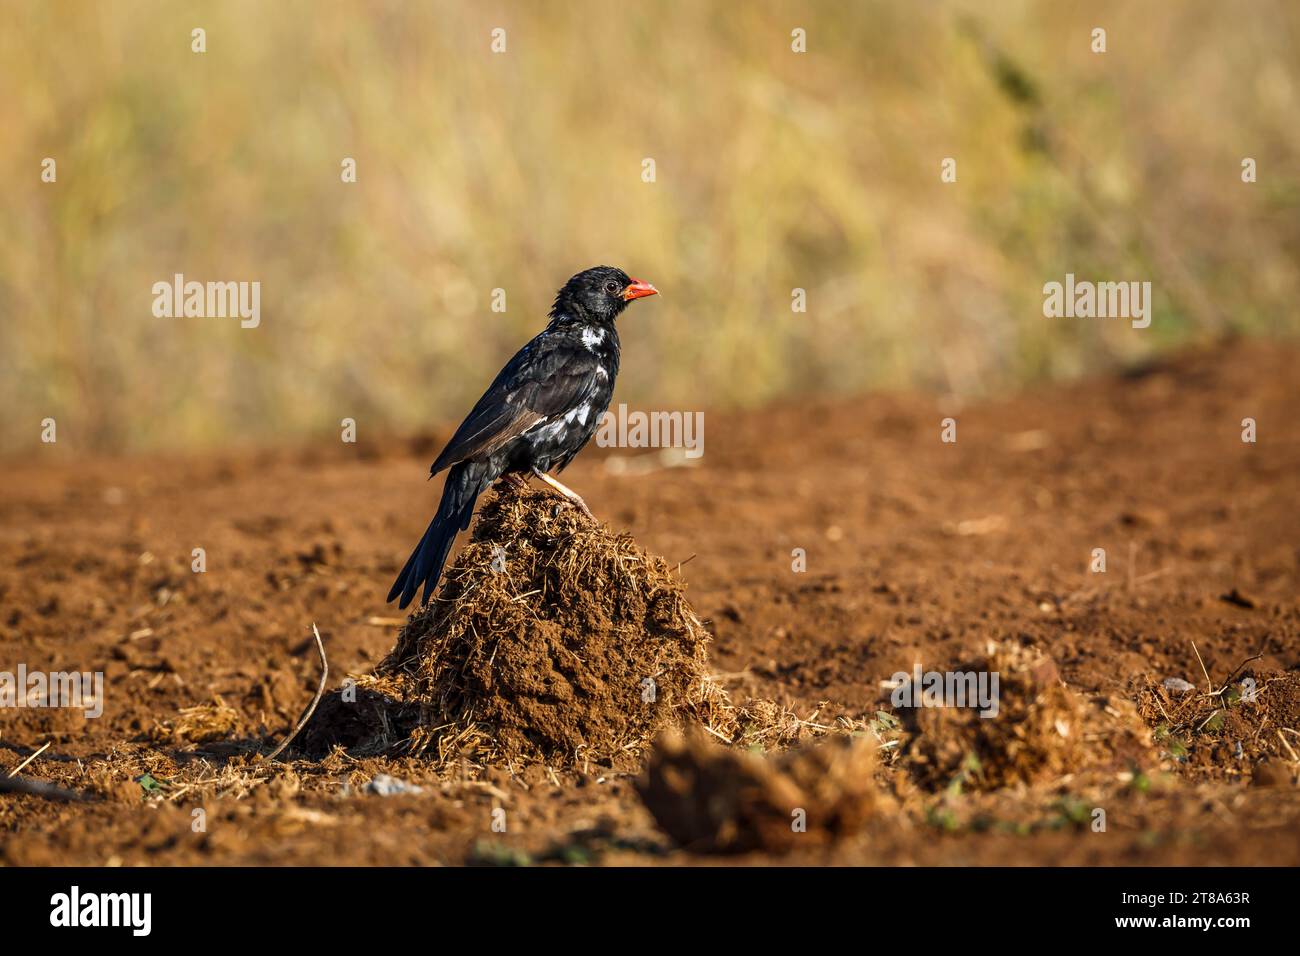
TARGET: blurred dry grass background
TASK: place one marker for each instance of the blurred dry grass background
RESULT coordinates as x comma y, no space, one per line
775,170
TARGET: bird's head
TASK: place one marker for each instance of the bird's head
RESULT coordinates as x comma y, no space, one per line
599,294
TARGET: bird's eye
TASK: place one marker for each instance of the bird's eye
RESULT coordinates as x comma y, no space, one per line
612,288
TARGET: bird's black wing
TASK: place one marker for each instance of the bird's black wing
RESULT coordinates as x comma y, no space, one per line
548,376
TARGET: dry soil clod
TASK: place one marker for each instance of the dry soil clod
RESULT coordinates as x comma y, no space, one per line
715,799
1042,730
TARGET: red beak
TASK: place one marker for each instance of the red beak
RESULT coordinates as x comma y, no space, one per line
638,290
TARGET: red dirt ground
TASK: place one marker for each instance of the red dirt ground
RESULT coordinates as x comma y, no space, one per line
916,550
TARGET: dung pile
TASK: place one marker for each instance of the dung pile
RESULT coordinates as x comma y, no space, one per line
711,798
1041,731
551,639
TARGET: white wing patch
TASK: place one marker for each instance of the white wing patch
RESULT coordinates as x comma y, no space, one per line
553,427
546,430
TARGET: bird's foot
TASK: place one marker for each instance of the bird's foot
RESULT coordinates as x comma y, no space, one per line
514,480
572,496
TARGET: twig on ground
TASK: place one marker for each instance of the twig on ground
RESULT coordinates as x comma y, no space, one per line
14,772
1288,747
1209,684
311,708
1236,670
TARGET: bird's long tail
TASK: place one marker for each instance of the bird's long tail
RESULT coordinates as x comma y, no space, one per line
465,482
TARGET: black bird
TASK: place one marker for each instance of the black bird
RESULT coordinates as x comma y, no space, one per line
542,408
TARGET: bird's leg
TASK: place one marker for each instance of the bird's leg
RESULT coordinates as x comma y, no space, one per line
566,491
514,479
